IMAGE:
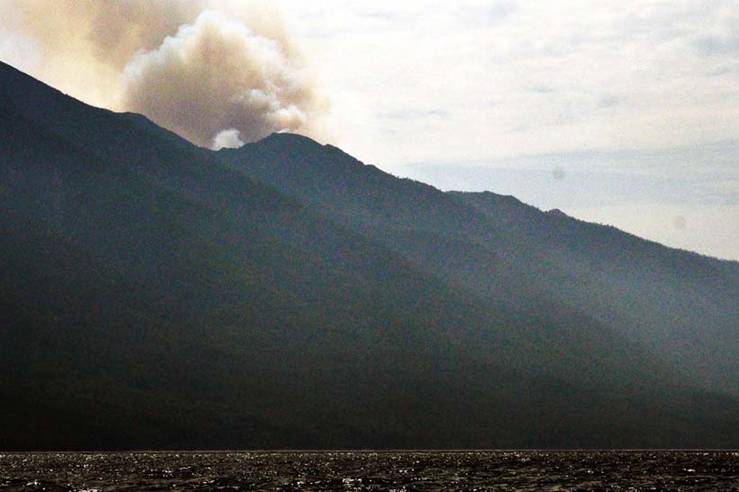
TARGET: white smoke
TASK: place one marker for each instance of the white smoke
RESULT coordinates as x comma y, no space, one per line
219,73
227,139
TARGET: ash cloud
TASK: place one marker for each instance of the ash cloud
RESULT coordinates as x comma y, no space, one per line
219,73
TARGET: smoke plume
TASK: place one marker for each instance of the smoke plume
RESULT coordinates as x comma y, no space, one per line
219,73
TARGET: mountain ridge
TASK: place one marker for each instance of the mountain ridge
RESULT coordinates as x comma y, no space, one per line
287,137
565,252
155,295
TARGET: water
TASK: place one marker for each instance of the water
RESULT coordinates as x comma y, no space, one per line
347,470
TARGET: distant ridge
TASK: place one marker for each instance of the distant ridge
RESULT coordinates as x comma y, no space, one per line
679,304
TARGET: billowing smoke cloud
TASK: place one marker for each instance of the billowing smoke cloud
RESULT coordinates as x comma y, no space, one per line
218,73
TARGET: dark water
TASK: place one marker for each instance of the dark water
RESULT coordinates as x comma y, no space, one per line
345,470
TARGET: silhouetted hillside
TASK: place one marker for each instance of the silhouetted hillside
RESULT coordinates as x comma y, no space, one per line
155,295
679,305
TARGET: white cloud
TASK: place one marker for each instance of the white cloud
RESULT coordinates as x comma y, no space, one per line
617,75
645,86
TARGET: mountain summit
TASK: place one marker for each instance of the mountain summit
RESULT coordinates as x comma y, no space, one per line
285,295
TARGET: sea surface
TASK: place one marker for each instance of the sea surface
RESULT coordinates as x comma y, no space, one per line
366,470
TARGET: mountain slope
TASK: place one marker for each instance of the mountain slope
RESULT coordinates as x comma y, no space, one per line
154,296
675,302
680,306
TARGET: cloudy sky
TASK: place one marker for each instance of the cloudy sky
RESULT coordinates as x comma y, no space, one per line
624,113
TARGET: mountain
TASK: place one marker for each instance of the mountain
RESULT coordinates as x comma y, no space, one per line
674,302
680,306
159,295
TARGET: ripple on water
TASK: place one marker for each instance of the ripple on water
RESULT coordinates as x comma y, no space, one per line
335,470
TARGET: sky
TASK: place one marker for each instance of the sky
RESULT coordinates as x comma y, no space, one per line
624,113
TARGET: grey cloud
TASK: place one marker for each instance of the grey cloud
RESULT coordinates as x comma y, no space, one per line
718,45
414,114
496,12
609,100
